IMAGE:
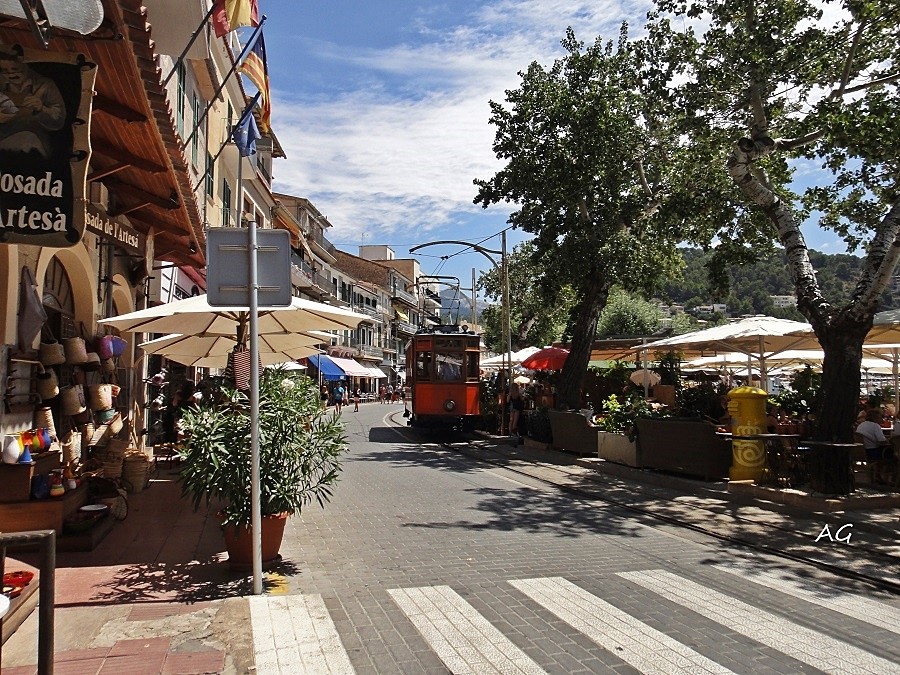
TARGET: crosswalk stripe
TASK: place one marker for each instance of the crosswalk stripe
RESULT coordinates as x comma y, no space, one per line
295,634
852,605
798,642
464,640
639,645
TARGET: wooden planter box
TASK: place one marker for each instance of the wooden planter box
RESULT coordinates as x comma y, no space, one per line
617,448
42,514
15,479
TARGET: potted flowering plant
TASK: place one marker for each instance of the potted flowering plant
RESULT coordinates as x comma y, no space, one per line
300,445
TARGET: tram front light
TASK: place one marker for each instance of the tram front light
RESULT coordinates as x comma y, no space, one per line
449,405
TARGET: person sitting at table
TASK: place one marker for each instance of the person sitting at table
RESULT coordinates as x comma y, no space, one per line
772,420
874,442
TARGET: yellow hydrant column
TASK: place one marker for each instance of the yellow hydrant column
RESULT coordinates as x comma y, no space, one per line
747,408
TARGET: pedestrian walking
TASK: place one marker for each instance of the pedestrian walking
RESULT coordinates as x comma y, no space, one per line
339,393
390,393
381,392
356,396
323,395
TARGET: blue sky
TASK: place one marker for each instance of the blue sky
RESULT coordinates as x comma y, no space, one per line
382,108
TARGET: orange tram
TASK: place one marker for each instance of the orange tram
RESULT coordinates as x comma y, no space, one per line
442,371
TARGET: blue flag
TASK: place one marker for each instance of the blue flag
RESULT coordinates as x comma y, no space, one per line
246,132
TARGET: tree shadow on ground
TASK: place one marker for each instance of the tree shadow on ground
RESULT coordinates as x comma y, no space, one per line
538,511
192,582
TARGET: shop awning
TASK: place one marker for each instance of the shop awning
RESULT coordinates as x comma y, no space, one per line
350,367
326,366
403,316
375,372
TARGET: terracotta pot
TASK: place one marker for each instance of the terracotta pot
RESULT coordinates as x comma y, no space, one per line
239,543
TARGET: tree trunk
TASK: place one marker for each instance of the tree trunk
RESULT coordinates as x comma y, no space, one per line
841,332
571,379
842,343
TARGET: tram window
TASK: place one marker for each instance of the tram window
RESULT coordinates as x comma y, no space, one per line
472,371
449,366
423,366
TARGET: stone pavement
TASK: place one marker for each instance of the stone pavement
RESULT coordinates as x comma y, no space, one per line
407,572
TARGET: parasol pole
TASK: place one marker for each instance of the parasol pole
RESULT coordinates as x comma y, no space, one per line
895,354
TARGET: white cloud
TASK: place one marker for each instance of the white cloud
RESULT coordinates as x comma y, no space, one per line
402,149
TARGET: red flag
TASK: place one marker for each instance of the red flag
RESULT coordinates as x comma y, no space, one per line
230,14
255,67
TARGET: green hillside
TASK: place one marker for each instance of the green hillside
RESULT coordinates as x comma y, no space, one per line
752,285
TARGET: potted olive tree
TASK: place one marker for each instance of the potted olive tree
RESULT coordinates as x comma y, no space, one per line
300,445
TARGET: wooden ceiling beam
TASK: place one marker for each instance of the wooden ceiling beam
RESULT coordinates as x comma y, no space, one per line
110,170
118,110
125,210
117,186
124,157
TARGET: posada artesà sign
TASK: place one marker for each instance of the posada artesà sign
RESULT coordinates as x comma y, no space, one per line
45,113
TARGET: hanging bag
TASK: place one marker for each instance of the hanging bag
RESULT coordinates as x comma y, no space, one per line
238,368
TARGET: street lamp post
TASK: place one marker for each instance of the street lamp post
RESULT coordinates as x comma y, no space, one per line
505,318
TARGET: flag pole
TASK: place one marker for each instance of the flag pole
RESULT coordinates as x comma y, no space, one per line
234,66
190,44
225,143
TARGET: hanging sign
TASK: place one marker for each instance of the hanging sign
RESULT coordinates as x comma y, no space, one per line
110,229
45,112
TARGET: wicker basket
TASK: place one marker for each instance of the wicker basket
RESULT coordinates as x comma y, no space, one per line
47,384
100,397
43,417
111,464
73,400
76,351
52,354
71,447
136,471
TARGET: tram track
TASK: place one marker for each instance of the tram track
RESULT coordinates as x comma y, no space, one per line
501,459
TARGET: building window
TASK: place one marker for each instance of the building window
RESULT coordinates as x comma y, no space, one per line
195,140
229,119
179,99
226,204
210,175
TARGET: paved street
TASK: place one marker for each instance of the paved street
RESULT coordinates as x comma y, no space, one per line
426,561
431,560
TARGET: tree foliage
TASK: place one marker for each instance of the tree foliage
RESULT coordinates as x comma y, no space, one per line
770,87
537,317
588,146
627,314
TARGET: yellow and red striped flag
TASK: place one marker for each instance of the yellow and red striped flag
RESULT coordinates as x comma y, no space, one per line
255,67
230,14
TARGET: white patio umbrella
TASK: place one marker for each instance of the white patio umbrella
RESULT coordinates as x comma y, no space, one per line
757,337
211,351
195,316
510,358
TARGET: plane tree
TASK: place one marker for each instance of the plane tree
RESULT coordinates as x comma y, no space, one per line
792,110
589,151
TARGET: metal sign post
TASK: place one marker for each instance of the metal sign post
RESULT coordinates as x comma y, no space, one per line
231,283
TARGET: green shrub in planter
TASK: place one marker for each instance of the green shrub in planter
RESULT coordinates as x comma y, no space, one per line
300,445
539,425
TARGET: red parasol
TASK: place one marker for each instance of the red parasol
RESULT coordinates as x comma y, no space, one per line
548,358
